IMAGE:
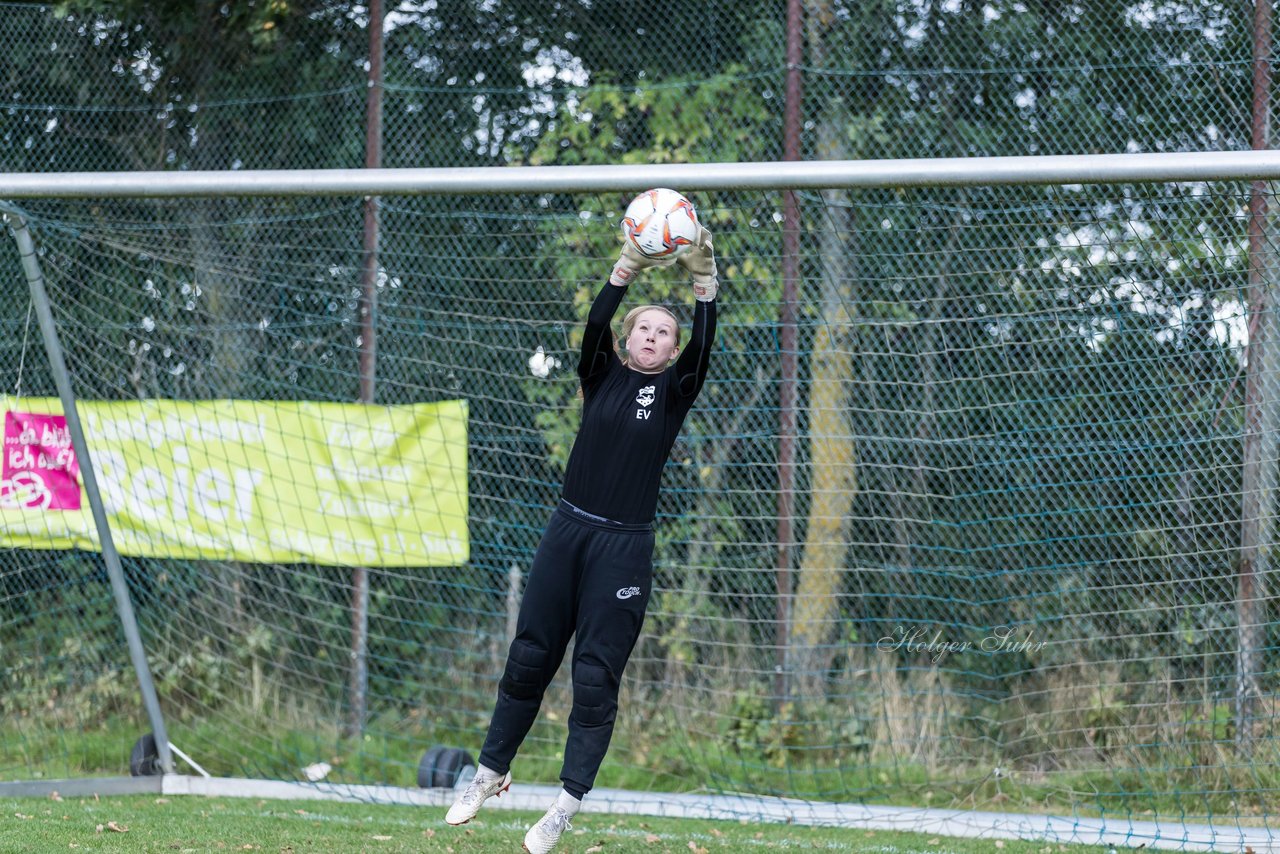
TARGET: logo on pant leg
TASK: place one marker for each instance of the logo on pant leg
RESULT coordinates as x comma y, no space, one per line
628,592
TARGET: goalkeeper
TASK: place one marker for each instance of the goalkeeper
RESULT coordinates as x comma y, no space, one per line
592,570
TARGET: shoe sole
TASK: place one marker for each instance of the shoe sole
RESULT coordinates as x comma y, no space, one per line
496,794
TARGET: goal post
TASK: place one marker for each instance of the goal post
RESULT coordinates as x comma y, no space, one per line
794,175
75,433
1035,458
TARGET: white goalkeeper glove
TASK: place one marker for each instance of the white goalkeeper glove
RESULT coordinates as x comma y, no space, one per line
700,261
631,263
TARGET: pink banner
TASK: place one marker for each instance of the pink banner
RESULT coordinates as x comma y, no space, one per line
40,470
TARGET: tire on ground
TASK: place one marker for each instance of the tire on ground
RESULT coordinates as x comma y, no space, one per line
445,767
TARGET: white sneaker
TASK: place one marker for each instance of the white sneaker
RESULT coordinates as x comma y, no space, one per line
544,835
483,786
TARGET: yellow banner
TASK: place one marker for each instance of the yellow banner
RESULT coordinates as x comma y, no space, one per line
264,481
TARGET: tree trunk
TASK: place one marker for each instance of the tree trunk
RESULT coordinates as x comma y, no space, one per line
820,579
822,567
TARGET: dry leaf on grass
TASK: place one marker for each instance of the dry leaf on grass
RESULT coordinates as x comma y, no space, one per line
693,846
650,838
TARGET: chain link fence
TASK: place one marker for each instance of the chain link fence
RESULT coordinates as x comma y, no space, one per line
1021,411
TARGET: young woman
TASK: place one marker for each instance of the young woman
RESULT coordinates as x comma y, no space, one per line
591,573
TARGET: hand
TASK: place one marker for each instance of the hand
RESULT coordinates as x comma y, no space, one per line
700,261
631,263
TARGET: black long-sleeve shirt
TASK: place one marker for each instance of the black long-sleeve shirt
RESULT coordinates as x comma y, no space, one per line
630,419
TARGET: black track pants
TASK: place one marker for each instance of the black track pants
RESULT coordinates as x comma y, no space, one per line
591,577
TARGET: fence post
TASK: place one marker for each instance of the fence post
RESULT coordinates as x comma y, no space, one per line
368,361
57,362
1258,476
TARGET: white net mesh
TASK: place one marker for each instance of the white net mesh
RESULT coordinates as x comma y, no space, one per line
1022,501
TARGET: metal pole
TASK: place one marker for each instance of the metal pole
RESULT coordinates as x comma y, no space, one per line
372,160
1258,473
359,650
787,344
115,570
802,175
368,358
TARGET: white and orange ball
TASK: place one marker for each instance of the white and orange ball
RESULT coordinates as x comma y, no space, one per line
660,223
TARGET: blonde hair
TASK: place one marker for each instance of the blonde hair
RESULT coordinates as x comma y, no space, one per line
629,323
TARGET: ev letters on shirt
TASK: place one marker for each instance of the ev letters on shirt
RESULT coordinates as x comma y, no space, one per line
644,398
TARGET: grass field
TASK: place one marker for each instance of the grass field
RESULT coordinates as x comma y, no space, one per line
196,824
33,749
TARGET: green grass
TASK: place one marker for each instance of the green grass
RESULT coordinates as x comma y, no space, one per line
196,824
35,750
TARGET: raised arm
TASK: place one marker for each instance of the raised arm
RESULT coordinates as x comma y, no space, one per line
691,367
597,341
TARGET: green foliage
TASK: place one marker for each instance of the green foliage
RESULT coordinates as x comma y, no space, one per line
1047,421
182,28
677,121
61,644
754,729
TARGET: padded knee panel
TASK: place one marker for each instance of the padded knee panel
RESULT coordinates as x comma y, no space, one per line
595,696
525,677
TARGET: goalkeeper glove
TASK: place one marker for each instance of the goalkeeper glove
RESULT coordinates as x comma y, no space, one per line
631,263
700,261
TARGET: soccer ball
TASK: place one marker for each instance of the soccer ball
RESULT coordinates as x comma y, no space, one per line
660,223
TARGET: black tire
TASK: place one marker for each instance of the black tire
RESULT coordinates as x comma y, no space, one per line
442,767
144,759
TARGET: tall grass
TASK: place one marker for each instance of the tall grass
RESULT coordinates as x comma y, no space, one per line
698,712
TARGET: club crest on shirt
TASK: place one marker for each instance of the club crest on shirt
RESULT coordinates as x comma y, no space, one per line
645,397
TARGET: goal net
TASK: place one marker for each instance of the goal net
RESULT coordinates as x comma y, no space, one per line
985,522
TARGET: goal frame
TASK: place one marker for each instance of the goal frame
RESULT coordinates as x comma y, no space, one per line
1254,166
